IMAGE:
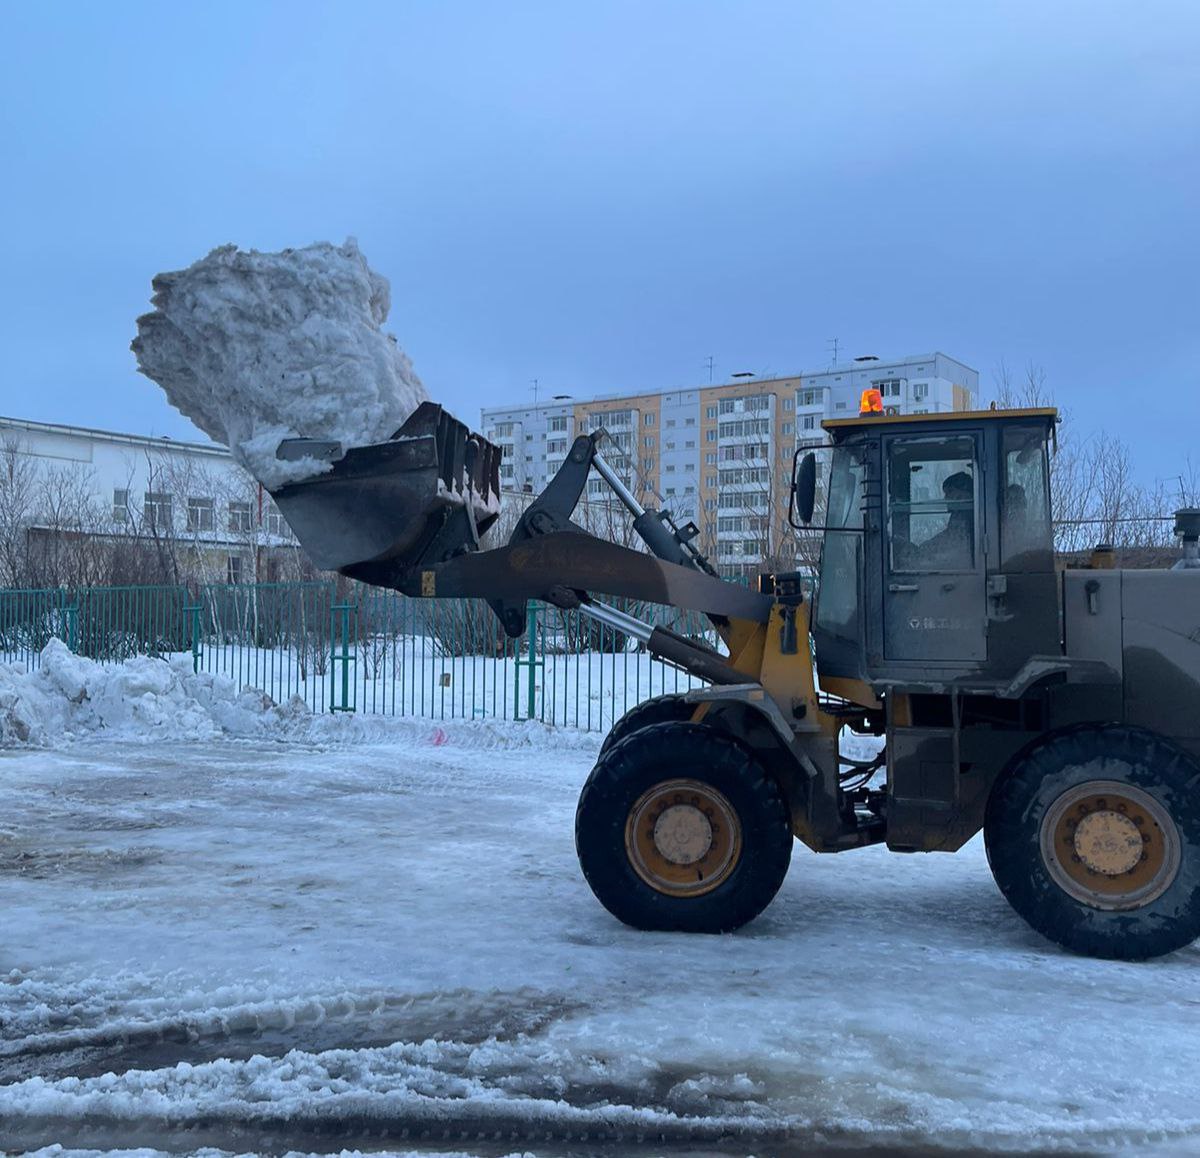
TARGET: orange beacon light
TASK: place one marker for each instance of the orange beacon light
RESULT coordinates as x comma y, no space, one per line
870,403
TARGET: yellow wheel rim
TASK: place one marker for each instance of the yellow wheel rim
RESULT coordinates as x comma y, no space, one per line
683,838
1110,845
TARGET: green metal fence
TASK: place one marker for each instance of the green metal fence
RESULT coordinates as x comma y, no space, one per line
362,650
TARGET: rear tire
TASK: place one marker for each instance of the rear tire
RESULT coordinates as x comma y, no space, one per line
1093,836
680,828
659,710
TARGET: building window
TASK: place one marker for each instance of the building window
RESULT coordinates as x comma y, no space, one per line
670,421
239,517
920,391
120,507
614,418
710,481
743,427
690,444
689,466
789,404
888,387
157,509
710,435
556,446
810,397
647,465
233,569
648,442
504,430
690,422
559,424
506,471
648,419
200,514
273,521
788,428
711,459
810,422
840,406
710,412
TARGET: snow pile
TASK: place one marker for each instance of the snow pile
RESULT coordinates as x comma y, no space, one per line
71,696
257,347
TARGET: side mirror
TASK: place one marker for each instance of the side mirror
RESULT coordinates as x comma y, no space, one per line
804,489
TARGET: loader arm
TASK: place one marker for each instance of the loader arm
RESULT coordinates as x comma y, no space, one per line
410,514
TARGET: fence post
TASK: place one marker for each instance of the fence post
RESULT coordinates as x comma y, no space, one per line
71,617
532,663
194,611
345,659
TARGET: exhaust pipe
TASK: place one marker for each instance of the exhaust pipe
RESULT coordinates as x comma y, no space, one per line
1187,529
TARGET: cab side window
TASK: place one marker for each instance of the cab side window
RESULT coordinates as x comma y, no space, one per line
932,504
1025,528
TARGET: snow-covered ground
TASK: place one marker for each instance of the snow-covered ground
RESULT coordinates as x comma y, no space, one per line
373,934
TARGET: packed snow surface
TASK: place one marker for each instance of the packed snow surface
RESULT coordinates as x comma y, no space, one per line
257,347
262,944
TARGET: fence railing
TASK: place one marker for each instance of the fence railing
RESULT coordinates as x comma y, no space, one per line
366,651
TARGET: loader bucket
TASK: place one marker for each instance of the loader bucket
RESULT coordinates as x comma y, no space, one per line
425,495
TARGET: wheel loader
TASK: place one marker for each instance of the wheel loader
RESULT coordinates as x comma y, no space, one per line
1056,710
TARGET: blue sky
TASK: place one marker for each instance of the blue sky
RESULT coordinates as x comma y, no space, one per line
603,195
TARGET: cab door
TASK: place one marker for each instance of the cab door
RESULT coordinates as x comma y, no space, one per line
934,581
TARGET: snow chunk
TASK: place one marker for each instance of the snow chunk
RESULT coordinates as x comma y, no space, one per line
258,347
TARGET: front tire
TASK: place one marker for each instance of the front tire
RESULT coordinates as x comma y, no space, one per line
1094,838
659,710
680,828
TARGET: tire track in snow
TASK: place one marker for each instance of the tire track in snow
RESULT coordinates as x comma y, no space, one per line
117,1044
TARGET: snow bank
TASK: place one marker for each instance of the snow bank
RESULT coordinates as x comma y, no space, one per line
257,347
70,697
150,699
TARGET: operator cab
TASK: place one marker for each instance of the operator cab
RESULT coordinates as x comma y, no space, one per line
938,561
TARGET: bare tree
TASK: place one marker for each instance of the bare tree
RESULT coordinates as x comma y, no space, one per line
1096,495
65,549
18,485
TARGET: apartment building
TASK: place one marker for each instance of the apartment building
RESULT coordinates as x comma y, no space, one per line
721,454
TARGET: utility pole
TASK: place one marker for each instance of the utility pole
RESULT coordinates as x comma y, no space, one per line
709,364
535,393
833,344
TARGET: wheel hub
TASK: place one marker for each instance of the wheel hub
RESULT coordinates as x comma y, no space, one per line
1110,845
683,838
683,834
1108,842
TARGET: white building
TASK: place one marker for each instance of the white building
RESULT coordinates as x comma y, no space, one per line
100,483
